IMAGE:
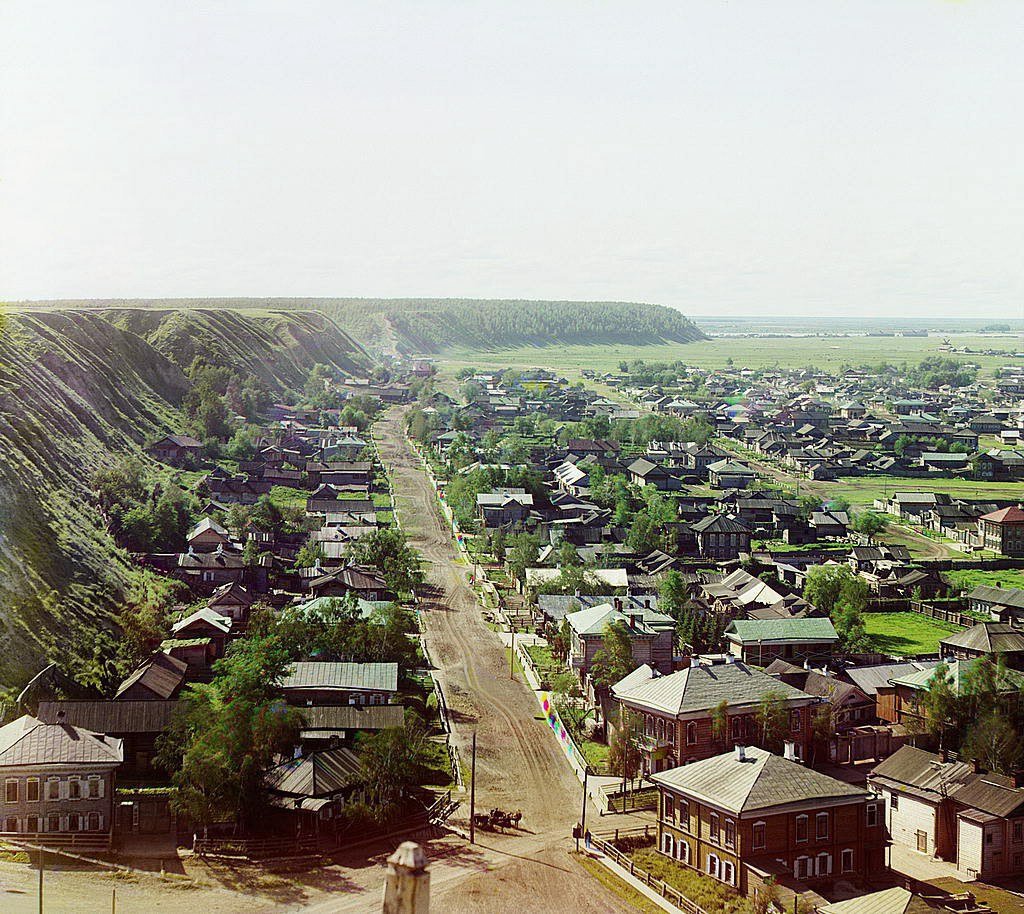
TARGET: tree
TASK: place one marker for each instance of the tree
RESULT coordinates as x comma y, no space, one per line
390,762
937,706
994,740
720,721
388,549
227,732
524,548
854,594
772,719
265,515
311,552
868,523
823,585
615,659
624,756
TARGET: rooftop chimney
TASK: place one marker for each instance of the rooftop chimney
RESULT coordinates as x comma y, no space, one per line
789,750
632,620
741,755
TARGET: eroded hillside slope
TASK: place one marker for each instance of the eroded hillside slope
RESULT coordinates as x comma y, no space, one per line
77,390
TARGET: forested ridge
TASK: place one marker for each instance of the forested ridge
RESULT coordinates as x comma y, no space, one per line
434,325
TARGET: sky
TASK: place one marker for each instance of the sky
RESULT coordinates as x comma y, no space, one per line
718,156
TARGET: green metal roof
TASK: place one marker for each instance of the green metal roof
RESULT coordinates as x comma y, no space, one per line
767,630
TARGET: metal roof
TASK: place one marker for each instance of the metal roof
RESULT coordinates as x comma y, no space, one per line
379,677
757,783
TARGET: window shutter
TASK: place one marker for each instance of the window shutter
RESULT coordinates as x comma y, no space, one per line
101,821
64,789
63,823
101,786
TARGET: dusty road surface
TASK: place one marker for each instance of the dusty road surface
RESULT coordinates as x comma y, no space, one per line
519,765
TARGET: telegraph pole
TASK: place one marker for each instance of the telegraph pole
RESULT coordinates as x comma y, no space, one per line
42,864
472,796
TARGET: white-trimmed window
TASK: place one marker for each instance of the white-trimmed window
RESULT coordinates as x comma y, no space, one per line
683,850
821,825
802,867
713,865
33,824
801,828
95,787
95,821
32,792
11,824
53,822
871,812
667,844
714,827
824,864
670,808
730,833
683,810
74,788
12,790
847,860
894,800
53,789
691,733
74,822
728,873
757,833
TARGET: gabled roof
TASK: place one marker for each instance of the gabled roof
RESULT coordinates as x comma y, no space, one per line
719,523
808,628
1000,596
29,741
231,593
382,677
990,637
160,674
698,688
321,774
870,678
210,616
136,716
759,782
594,619
924,772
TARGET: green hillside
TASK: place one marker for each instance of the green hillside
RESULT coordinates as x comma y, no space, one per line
433,326
78,390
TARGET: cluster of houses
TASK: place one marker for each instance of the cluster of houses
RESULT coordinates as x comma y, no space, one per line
861,423
835,785
63,765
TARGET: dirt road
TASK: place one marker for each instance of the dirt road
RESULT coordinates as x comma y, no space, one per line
519,764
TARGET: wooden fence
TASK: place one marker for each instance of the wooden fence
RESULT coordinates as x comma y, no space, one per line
666,891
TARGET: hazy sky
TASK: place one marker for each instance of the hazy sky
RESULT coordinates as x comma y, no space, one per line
723,157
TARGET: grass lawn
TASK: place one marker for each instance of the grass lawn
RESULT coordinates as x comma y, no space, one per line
547,666
709,893
905,634
287,497
971,578
826,353
611,882
862,490
596,755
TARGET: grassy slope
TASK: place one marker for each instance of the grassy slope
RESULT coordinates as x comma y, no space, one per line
76,391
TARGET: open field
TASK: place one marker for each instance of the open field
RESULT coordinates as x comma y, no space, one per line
863,490
828,352
971,578
905,634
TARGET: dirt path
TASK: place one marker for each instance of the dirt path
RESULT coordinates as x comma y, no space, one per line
518,763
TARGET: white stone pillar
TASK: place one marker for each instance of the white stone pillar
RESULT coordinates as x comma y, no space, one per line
407,884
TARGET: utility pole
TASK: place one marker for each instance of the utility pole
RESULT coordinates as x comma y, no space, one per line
42,864
113,901
625,754
583,818
472,794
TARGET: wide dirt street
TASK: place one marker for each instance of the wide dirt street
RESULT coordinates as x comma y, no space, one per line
519,765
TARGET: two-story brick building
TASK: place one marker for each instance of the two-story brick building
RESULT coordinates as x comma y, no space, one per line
673,714
1002,531
58,782
744,813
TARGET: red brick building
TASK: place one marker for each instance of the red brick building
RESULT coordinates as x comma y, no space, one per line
742,815
673,714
